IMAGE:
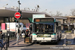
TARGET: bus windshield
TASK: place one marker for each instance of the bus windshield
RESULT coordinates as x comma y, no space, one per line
44,28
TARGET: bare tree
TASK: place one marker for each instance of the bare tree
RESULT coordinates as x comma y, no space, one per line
58,13
51,13
73,12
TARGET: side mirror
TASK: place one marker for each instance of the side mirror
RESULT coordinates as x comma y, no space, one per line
30,28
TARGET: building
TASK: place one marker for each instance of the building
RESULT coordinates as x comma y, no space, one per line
67,22
7,15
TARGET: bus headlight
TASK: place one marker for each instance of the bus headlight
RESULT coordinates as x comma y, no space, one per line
33,34
53,34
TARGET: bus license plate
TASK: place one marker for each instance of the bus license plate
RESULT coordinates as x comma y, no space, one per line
43,41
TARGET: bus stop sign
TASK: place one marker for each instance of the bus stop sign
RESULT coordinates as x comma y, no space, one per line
17,15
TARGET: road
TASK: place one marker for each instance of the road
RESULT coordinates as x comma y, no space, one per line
50,46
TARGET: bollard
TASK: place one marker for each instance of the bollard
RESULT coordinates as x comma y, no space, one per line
8,39
6,48
65,41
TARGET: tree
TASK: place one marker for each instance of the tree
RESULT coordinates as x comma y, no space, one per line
58,13
51,14
73,12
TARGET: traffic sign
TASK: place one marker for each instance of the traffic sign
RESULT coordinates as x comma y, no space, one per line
17,15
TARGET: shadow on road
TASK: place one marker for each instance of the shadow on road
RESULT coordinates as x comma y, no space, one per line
60,43
66,49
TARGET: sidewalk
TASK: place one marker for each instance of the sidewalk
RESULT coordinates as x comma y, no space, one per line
21,43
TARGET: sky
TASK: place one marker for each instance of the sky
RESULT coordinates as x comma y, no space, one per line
52,6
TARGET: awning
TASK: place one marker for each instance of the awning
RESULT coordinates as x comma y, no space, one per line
8,12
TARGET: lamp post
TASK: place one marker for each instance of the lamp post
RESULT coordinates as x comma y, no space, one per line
37,8
19,5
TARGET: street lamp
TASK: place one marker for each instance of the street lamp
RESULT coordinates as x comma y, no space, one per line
37,8
19,4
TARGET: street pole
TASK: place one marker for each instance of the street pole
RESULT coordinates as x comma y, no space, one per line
65,39
8,39
18,23
18,33
19,4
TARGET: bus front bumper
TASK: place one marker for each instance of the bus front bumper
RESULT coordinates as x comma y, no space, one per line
45,40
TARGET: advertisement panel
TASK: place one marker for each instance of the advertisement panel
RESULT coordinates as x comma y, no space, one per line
13,27
2,26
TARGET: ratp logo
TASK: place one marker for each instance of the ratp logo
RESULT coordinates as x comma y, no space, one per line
43,38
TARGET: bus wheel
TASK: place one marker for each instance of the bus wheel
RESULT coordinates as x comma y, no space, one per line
38,42
60,38
56,42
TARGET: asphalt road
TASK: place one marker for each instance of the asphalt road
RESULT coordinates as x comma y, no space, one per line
51,46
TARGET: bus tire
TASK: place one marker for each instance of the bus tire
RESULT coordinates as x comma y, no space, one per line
60,38
56,42
38,42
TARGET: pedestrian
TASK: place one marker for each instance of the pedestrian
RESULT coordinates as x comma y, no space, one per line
17,35
23,35
1,37
26,34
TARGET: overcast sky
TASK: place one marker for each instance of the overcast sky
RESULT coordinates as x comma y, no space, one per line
64,6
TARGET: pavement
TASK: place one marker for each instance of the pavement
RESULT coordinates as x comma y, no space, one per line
20,44
27,46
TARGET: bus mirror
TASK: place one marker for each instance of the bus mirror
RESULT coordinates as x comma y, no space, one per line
30,28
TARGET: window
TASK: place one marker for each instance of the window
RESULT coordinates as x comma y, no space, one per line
6,20
43,28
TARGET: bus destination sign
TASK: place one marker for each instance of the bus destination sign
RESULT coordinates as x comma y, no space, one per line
44,20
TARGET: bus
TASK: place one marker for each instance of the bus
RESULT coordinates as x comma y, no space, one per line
46,30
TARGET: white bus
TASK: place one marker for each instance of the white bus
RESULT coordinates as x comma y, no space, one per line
46,30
